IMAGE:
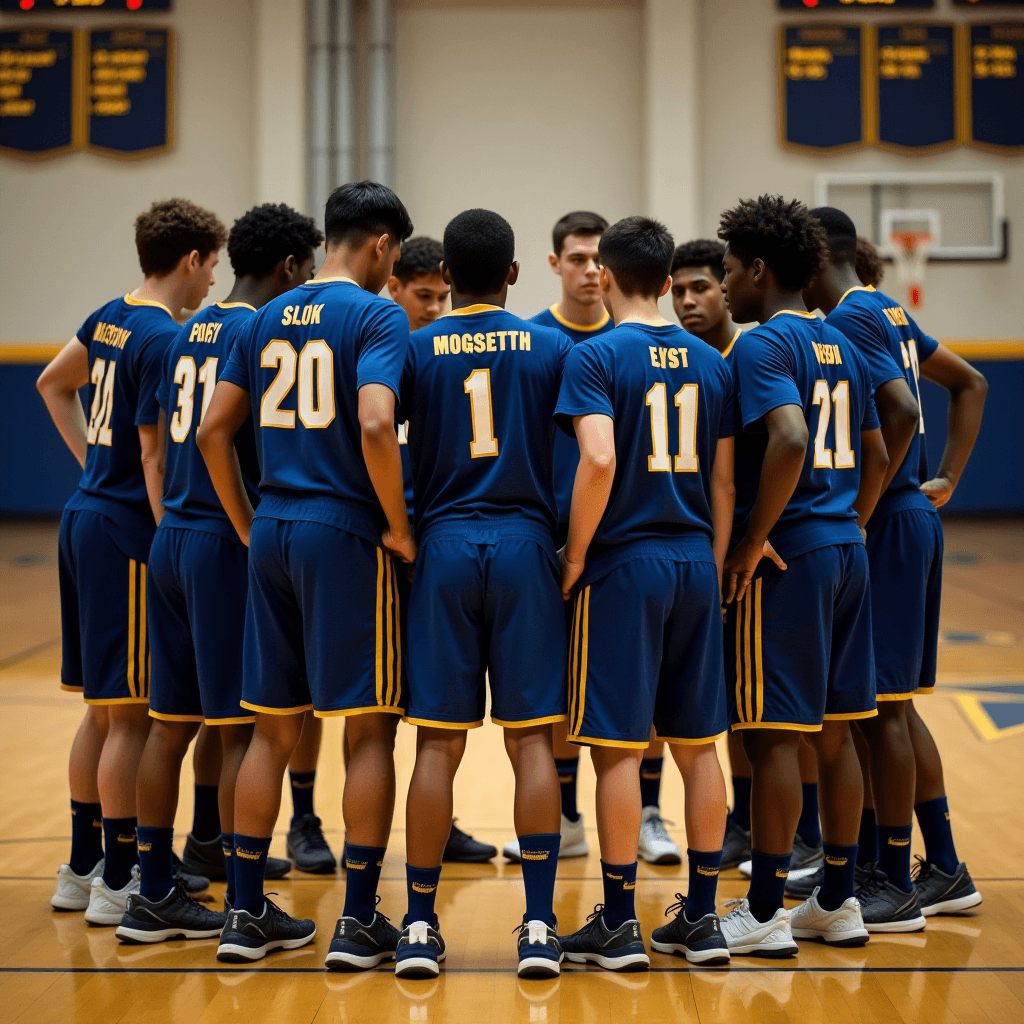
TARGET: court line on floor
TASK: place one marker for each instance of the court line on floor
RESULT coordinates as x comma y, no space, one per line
692,969
13,659
471,878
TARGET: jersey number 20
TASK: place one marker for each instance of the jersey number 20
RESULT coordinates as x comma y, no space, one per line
314,368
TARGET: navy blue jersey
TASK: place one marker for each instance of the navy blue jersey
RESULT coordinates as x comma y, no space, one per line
796,359
672,397
303,357
883,333
567,451
126,340
191,366
479,392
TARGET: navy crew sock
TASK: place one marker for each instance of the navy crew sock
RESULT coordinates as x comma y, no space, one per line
840,869
250,865
86,837
768,874
933,817
421,886
539,854
894,854
155,862
363,864
867,841
619,887
740,813
227,844
650,781
121,852
205,814
703,883
302,794
808,827
567,767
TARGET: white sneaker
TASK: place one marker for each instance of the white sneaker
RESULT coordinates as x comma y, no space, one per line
746,867
842,927
574,842
108,906
656,845
745,934
73,890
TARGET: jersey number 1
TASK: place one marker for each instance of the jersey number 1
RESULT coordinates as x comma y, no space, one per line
686,401
840,398
185,375
478,386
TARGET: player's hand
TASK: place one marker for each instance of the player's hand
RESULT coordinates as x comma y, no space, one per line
938,491
769,552
572,570
740,564
403,548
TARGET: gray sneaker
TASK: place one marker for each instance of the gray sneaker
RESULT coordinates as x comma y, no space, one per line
802,887
176,916
736,847
619,950
887,908
940,893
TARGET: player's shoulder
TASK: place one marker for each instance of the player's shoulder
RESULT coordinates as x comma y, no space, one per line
545,318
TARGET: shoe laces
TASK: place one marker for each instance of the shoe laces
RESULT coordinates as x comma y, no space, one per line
875,883
597,912
921,871
376,908
677,907
310,827
656,823
737,907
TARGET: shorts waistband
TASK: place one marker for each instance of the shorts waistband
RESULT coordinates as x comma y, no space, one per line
903,500
490,531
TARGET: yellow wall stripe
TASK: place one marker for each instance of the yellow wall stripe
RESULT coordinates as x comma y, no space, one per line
379,651
757,651
132,657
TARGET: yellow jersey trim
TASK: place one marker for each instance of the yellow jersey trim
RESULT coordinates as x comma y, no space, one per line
590,741
276,711
693,743
148,302
728,348
851,716
895,696
243,720
528,721
794,312
174,718
235,305
72,689
476,307
856,288
333,280
430,724
923,689
791,726
345,712
100,701
555,312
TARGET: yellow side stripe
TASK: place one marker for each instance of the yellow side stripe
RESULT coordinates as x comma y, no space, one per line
584,654
132,658
757,652
143,635
379,651
738,612
398,637
748,669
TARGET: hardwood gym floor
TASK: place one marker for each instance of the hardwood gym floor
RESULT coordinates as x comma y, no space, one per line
53,967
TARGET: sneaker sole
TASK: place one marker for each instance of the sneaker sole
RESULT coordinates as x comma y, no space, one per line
952,906
417,967
711,957
630,962
105,920
352,962
912,924
855,938
233,953
139,936
774,951
82,902
538,967
662,858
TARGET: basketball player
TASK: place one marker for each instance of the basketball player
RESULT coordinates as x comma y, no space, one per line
479,391
649,524
810,466
319,368
105,535
699,303
198,579
418,287
905,556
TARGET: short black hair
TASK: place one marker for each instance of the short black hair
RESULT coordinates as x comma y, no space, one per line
781,232
479,249
358,210
638,251
702,252
579,222
421,257
172,228
841,233
268,234
870,268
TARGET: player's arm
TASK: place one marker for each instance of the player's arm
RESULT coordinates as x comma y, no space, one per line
59,384
590,492
723,499
899,417
780,473
384,464
229,409
874,474
967,389
153,442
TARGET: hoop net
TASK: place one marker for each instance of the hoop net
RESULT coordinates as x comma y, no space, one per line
910,249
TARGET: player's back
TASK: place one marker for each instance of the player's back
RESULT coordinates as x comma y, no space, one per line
883,331
671,397
796,359
126,340
192,365
479,392
303,359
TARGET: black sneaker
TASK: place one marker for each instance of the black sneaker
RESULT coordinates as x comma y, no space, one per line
887,908
246,937
308,847
803,888
701,942
358,947
736,848
540,952
207,858
939,893
420,950
805,856
619,950
462,848
176,916
194,884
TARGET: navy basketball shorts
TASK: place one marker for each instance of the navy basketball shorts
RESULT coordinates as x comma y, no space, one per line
198,582
646,647
104,639
486,611
905,556
323,623
798,646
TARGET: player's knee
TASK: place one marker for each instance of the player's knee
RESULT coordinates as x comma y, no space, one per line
174,737
129,718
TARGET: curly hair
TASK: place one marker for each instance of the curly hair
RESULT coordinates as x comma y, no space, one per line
783,233
268,234
421,257
172,228
870,268
702,252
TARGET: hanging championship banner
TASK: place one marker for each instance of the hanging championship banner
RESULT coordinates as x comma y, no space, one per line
996,81
131,92
916,76
821,75
37,93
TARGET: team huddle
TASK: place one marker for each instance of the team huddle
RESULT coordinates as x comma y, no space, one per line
621,532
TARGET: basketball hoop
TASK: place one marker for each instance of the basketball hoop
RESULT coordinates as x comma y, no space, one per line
910,249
